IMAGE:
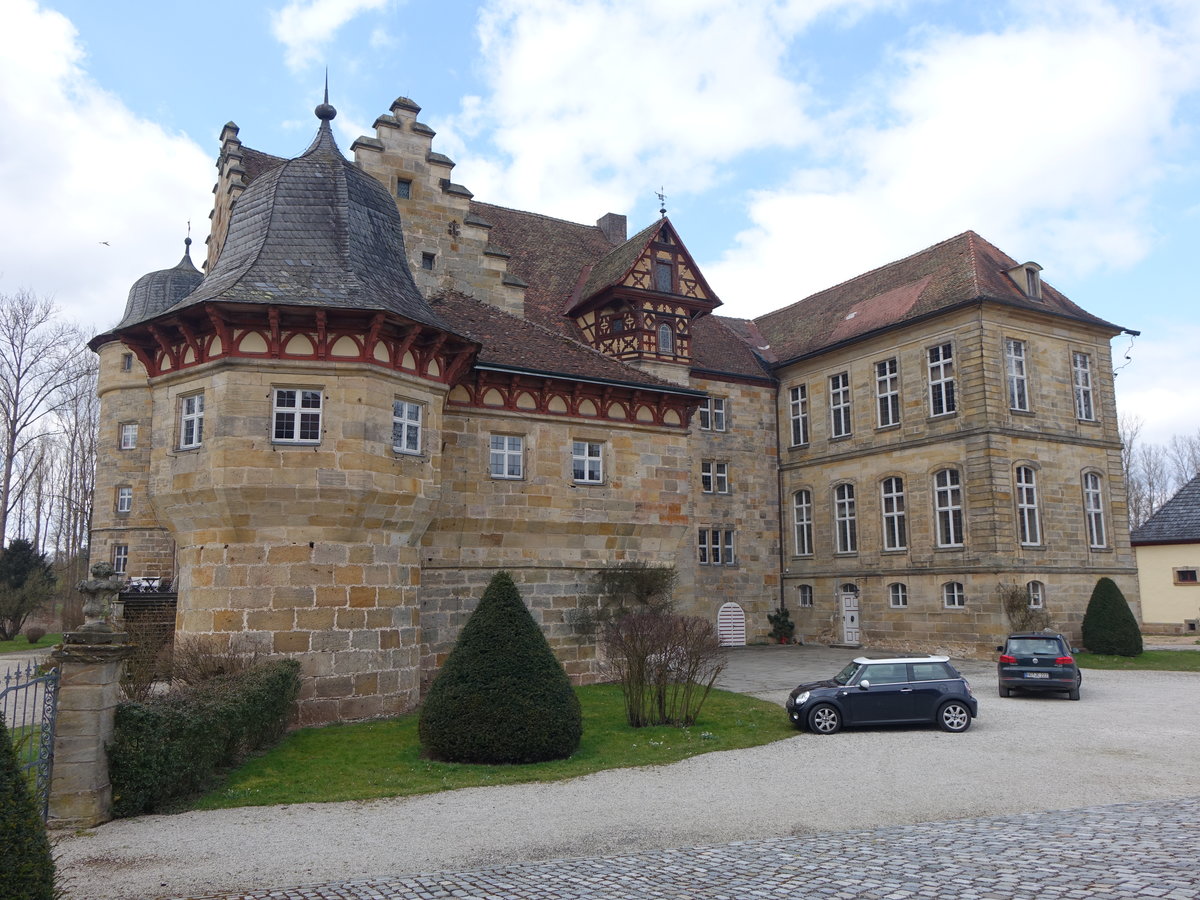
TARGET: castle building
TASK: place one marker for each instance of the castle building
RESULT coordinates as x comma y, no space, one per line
382,391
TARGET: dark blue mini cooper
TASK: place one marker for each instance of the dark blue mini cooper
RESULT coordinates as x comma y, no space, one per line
897,691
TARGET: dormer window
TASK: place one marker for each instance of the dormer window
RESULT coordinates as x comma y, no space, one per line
663,276
1028,277
666,339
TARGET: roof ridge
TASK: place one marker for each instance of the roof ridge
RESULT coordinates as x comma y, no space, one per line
525,212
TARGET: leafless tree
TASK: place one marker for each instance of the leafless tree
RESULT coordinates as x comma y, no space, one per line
1154,472
1183,457
41,361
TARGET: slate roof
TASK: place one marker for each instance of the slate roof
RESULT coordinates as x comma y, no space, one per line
512,342
961,270
1176,522
315,231
157,291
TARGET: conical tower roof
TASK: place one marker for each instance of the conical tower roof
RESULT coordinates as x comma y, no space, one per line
315,231
158,291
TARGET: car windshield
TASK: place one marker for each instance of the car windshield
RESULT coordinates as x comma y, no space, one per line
1033,647
844,676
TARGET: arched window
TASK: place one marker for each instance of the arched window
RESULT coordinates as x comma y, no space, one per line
1029,529
948,501
802,516
953,595
1037,594
666,339
898,595
1093,507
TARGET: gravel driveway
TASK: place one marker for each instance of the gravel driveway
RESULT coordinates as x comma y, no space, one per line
1132,737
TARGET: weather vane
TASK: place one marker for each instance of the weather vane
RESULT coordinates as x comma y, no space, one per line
662,201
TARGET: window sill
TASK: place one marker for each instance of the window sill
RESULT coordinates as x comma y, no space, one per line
1025,413
882,428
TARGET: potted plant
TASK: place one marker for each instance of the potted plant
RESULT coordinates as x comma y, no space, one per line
782,626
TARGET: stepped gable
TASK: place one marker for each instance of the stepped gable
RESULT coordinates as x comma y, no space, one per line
726,346
157,291
962,270
1175,522
512,342
316,231
548,254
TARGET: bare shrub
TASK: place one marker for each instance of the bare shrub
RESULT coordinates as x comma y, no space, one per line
149,660
666,665
34,633
625,588
198,658
1021,617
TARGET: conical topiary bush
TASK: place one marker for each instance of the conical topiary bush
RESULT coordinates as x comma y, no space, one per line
502,696
1108,625
26,865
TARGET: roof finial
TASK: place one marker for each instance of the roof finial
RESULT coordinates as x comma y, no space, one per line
662,200
325,112
187,241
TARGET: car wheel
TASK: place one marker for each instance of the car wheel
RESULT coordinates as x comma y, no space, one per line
825,719
954,716
1005,692
1073,693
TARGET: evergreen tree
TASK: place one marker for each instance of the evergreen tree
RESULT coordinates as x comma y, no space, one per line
26,582
26,865
1108,625
502,696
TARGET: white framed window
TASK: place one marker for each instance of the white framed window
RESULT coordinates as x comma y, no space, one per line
804,596
124,499
666,338
798,413
845,518
1036,591
895,525
839,405
129,432
712,414
802,516
1093,506
898,595
1081,378
587,462
1014,365
715,547
120,558
191,421
714,477
953,595
941,380
948,503
1029,526
887,392
406,427
297,416
506,456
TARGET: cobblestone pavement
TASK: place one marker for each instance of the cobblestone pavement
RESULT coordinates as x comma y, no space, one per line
1130,850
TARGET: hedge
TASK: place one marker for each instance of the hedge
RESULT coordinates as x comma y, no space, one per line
167,750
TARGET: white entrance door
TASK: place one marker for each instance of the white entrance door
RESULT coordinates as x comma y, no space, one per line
731,625
849,599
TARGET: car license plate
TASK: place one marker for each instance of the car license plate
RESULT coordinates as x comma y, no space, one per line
1037,674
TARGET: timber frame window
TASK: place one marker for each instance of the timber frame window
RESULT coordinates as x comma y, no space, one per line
587,462
942,400
802,518
712,414
1029,527
953,595
1093,508
1018,382
191,421
296,415
887,392
895,531
506,456
129,435
948,505
1081,379
798,414
898,595
406,427
715,547
714,477
666,339
839,405
845,519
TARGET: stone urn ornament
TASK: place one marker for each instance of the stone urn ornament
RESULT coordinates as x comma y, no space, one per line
100,590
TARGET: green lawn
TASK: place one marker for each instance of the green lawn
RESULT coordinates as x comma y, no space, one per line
1158,660
21,644
382,758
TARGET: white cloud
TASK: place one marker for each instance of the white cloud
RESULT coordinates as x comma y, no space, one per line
1046,137
305,27
77,169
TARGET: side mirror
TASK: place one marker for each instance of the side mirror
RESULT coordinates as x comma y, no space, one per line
863,685
1000,649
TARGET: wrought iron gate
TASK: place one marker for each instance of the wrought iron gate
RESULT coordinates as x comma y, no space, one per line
29,703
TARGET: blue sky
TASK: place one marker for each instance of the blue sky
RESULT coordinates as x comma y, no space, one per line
799,143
